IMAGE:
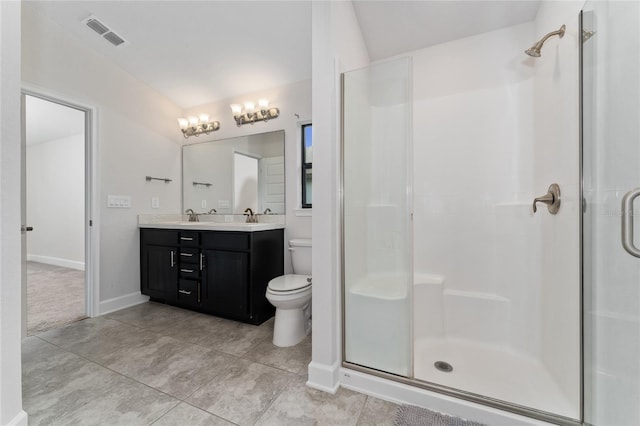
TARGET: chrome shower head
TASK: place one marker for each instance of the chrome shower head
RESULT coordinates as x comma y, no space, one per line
535,49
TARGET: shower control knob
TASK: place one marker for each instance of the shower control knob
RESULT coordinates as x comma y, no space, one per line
551,199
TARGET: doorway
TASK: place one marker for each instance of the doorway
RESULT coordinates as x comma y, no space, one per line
54,212
245,182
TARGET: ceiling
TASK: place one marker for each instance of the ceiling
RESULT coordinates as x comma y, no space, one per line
197,52
390,28
48,121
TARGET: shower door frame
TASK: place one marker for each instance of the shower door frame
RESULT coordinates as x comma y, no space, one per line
454,392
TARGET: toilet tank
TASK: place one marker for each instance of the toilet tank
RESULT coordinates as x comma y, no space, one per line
300,249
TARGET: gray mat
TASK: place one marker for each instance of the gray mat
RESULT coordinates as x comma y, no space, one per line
410,415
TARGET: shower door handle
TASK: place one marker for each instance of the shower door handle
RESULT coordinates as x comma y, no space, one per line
627,222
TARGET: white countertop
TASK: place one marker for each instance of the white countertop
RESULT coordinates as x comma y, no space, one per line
213,226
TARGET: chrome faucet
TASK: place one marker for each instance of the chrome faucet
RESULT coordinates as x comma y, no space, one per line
251,218
193,217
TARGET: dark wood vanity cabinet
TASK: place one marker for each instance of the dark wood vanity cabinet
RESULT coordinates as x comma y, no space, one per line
223,273
159,263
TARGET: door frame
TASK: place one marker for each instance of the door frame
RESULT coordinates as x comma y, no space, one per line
91,200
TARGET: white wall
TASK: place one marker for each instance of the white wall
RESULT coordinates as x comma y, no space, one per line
290,99
55,201
136,136
10,286
337,46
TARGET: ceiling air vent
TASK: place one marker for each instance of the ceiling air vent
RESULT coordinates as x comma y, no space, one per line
96,25
113,38
99,27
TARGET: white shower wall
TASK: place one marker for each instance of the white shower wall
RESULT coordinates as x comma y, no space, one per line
473,185
493,129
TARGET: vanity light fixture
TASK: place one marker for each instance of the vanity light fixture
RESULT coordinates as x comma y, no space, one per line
195,126
249,114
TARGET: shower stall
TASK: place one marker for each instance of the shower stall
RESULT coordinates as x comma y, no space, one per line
481,252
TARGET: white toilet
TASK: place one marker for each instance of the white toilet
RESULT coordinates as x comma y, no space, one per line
291,295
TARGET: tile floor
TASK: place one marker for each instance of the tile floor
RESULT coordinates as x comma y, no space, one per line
161,365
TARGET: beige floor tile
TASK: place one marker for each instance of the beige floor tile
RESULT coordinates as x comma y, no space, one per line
127,403
377,412
241,391
294,359
175,367
232,337
300,405
152,316
95,337
185,414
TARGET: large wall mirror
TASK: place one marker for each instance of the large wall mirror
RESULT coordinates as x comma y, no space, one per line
230,175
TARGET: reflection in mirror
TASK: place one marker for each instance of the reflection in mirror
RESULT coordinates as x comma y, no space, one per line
230,175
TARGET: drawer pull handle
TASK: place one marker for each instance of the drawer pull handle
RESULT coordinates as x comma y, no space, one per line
201,261
186,238
173,261
184,292
186,254
186,270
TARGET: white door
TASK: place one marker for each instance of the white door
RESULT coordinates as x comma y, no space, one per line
272,184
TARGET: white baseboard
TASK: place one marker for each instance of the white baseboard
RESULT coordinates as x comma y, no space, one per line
56,261
121,302
324,377
19,420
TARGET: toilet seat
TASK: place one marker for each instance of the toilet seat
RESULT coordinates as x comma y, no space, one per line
289,284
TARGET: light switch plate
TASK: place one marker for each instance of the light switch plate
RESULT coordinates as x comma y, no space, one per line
203,204
155,202
119,201
223,204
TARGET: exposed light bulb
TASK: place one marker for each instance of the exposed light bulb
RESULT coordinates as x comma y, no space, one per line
236,109
183,122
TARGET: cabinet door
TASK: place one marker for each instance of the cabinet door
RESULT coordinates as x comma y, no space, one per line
225,283
159,272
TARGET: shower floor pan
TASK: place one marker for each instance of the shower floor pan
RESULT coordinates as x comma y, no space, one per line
491,371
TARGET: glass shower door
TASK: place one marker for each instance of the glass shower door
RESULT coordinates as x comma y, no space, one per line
611,150
377,272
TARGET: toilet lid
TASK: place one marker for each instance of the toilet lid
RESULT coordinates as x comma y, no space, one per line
290,282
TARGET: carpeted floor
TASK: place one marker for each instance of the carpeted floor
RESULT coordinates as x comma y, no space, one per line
55,296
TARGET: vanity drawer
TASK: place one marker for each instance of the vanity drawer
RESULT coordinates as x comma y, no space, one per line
189,238
159,237
189,292
226,240
189,255
190,271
